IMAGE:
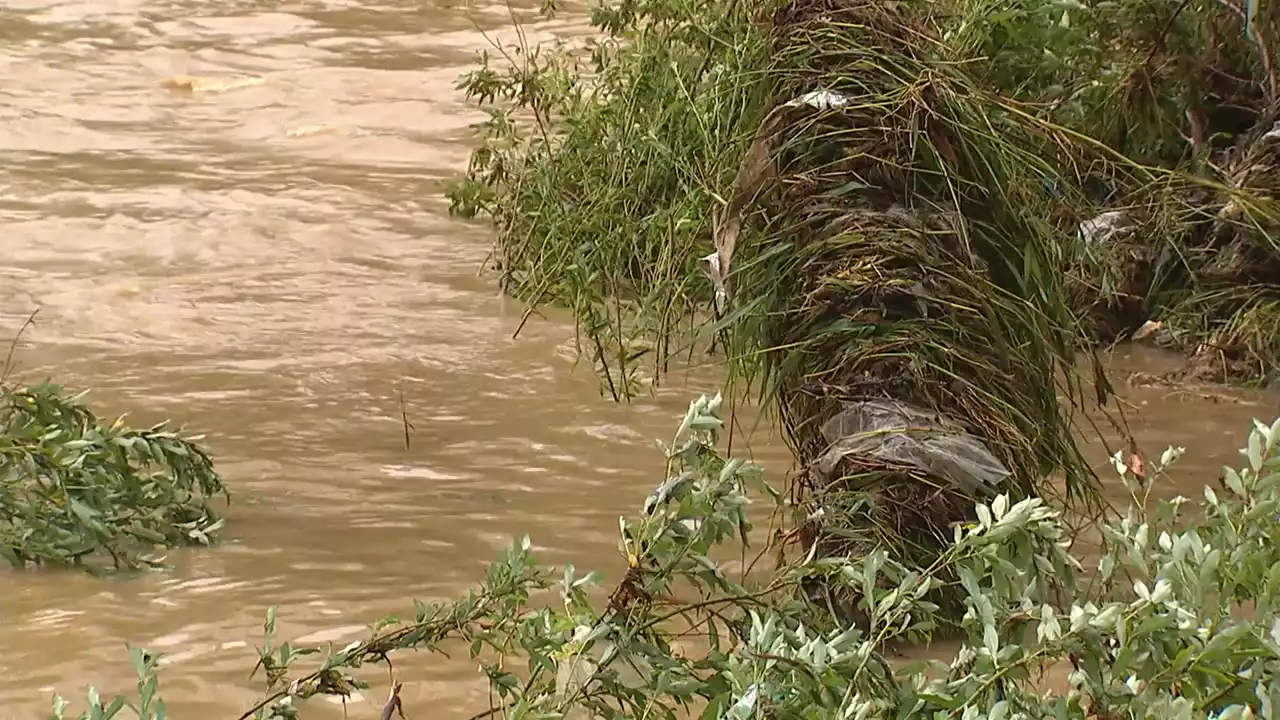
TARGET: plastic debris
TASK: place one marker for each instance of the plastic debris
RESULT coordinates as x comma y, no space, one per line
820,99
711,266
1052,187
1148,329
902,433
1106,227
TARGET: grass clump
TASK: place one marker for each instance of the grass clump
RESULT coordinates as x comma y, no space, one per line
872,221
1200,255
1157,633
907,255
77,492
1180,101
1229,315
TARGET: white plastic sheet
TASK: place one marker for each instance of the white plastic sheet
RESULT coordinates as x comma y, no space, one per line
901,433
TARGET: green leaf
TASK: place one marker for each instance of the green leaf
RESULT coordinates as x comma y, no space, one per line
1255,451
1216,650
1232,480
84,513
714,707
114,708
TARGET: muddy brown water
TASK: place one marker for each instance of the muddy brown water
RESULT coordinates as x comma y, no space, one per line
272,263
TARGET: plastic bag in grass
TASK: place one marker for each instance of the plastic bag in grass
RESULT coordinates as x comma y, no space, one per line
901,433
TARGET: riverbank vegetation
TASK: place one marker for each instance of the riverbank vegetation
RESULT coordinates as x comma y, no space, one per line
77,492
1151,628
900,225
1148,130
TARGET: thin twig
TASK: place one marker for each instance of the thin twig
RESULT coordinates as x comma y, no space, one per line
394,705
375,648
404,420
1164,32
488,713
13,346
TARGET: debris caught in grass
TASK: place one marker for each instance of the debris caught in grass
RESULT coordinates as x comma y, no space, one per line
1101,229
941,205
1148,331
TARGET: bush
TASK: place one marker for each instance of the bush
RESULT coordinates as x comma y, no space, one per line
1157,634
600,165
76,492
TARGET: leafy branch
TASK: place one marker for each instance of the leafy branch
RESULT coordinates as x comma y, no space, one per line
74,491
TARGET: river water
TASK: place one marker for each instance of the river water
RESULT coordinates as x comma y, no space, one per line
269,259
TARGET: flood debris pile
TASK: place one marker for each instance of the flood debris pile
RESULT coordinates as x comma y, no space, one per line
77,492
1184,229
901,222
885,263
1228,318
904,280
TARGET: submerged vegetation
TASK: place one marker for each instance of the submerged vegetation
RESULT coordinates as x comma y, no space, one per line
1154,634
77,492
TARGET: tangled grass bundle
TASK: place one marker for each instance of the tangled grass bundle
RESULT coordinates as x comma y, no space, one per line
906,254
897,243
1179,98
